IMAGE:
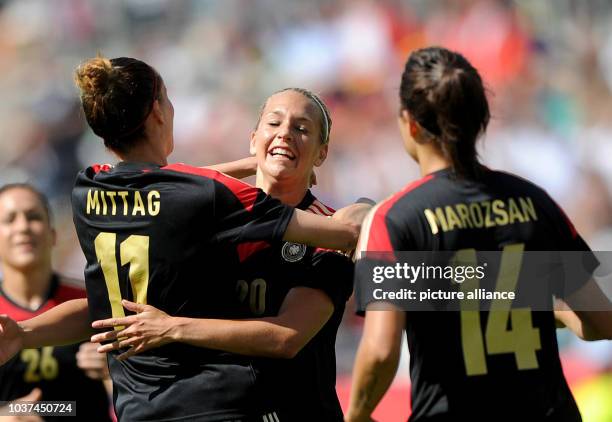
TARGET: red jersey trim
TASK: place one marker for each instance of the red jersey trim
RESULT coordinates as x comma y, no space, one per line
97,168
61,294
245,250
379,239
246,193
319,208
66,293
324,250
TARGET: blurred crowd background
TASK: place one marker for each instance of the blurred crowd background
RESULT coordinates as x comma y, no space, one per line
547,65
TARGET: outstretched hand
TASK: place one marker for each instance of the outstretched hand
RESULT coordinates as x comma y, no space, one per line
147,329
11,338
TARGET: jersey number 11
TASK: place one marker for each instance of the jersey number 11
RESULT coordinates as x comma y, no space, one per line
134,251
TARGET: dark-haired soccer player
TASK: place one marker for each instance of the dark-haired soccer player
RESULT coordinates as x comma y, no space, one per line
465,365
29,287
297,293
160,234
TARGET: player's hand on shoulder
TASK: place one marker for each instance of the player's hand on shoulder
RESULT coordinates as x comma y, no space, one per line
354,213
11,338
147,329
94,364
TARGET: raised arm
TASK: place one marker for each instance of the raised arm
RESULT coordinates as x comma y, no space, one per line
338,232
303,312
239,169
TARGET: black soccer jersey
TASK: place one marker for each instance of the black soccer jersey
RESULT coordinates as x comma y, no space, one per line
454,375
161,236
52,369
303,387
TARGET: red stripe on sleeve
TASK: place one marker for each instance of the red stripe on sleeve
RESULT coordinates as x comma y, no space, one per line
246,193
249,248
322,207
313,210
328,208
379,239
316,207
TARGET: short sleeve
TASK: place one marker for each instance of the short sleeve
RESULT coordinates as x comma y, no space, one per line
243,213
577,261
331,272
375,248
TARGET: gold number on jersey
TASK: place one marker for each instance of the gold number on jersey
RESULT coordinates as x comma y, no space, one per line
255,292
522,339
134,251
41,364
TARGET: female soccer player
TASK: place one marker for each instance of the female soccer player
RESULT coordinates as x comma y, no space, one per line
298,293
518,375
29,287
165,235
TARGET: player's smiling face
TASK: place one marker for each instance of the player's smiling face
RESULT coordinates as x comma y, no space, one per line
287,141
26,236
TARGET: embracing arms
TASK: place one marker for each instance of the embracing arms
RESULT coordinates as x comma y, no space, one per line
303,312
66,323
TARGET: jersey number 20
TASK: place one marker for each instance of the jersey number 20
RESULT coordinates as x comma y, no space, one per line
134,251
253,293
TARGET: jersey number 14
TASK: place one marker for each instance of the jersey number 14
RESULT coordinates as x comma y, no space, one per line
522,339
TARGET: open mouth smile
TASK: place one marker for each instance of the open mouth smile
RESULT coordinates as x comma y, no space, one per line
281,152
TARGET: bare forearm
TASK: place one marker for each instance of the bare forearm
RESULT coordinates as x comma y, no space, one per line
66,323
239,169
587,312
373,376
595,325
321,231
246,337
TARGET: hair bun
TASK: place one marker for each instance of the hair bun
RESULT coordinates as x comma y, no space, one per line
94,76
